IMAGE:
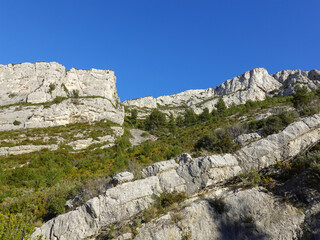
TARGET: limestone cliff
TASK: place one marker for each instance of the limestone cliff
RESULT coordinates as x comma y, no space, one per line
253,85
45,94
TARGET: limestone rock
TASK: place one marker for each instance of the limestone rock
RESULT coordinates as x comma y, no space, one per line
138,137
245,139
291,78
248,214
253,85
39,84
84,143
122,178
159,167
16,150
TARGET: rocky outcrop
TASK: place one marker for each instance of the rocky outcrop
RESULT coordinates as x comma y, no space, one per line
253,85
45,94
76,145
246,214
191,176
16,150
290,78
84,143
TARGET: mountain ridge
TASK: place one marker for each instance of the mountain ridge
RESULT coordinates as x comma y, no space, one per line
252,85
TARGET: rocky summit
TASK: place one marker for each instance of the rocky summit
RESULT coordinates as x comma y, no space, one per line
239,161
254,85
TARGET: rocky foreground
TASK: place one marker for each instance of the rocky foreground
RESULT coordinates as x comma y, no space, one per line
252,213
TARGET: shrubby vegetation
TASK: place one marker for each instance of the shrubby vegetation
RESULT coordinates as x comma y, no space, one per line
274,123
38,184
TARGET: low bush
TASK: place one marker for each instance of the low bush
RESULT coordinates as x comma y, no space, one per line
275,123
219,142
162,204
16,123
218,204
250,179
15,226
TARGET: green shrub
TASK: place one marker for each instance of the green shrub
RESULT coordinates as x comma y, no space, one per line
16,123
75,93
65,88
179,121
273,124
309,110
172,151
52,87
145,134
162,204
54,208
12,95
15,226
218,204
205,115
219,142
58,99
172,125
289,117
190,118
156,121
221,107
250,179
301,96
133,117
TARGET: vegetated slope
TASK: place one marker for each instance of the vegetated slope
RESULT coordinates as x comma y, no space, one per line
37,185
172,143
190,176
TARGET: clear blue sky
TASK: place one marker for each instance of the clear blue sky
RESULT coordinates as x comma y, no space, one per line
163,47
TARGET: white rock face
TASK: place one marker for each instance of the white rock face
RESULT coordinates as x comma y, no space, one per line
252,85
16,150
245,139
249,214
191,176
122,177
39,83
290,78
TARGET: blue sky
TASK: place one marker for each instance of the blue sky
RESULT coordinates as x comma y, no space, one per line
163,47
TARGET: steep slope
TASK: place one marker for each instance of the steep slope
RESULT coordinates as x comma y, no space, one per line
185,174
252,85
45,94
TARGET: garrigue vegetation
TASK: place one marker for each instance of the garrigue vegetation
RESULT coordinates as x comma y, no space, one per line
35,186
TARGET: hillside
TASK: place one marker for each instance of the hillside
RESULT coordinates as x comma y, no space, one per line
240,161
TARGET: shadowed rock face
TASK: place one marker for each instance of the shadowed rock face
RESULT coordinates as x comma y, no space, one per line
247,214
189,175
252,85
93,92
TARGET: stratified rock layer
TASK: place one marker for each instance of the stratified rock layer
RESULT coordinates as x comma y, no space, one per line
45,94
191,176
247,214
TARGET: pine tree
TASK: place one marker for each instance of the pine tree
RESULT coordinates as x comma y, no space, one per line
190,118
172,125
205,115
221,107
